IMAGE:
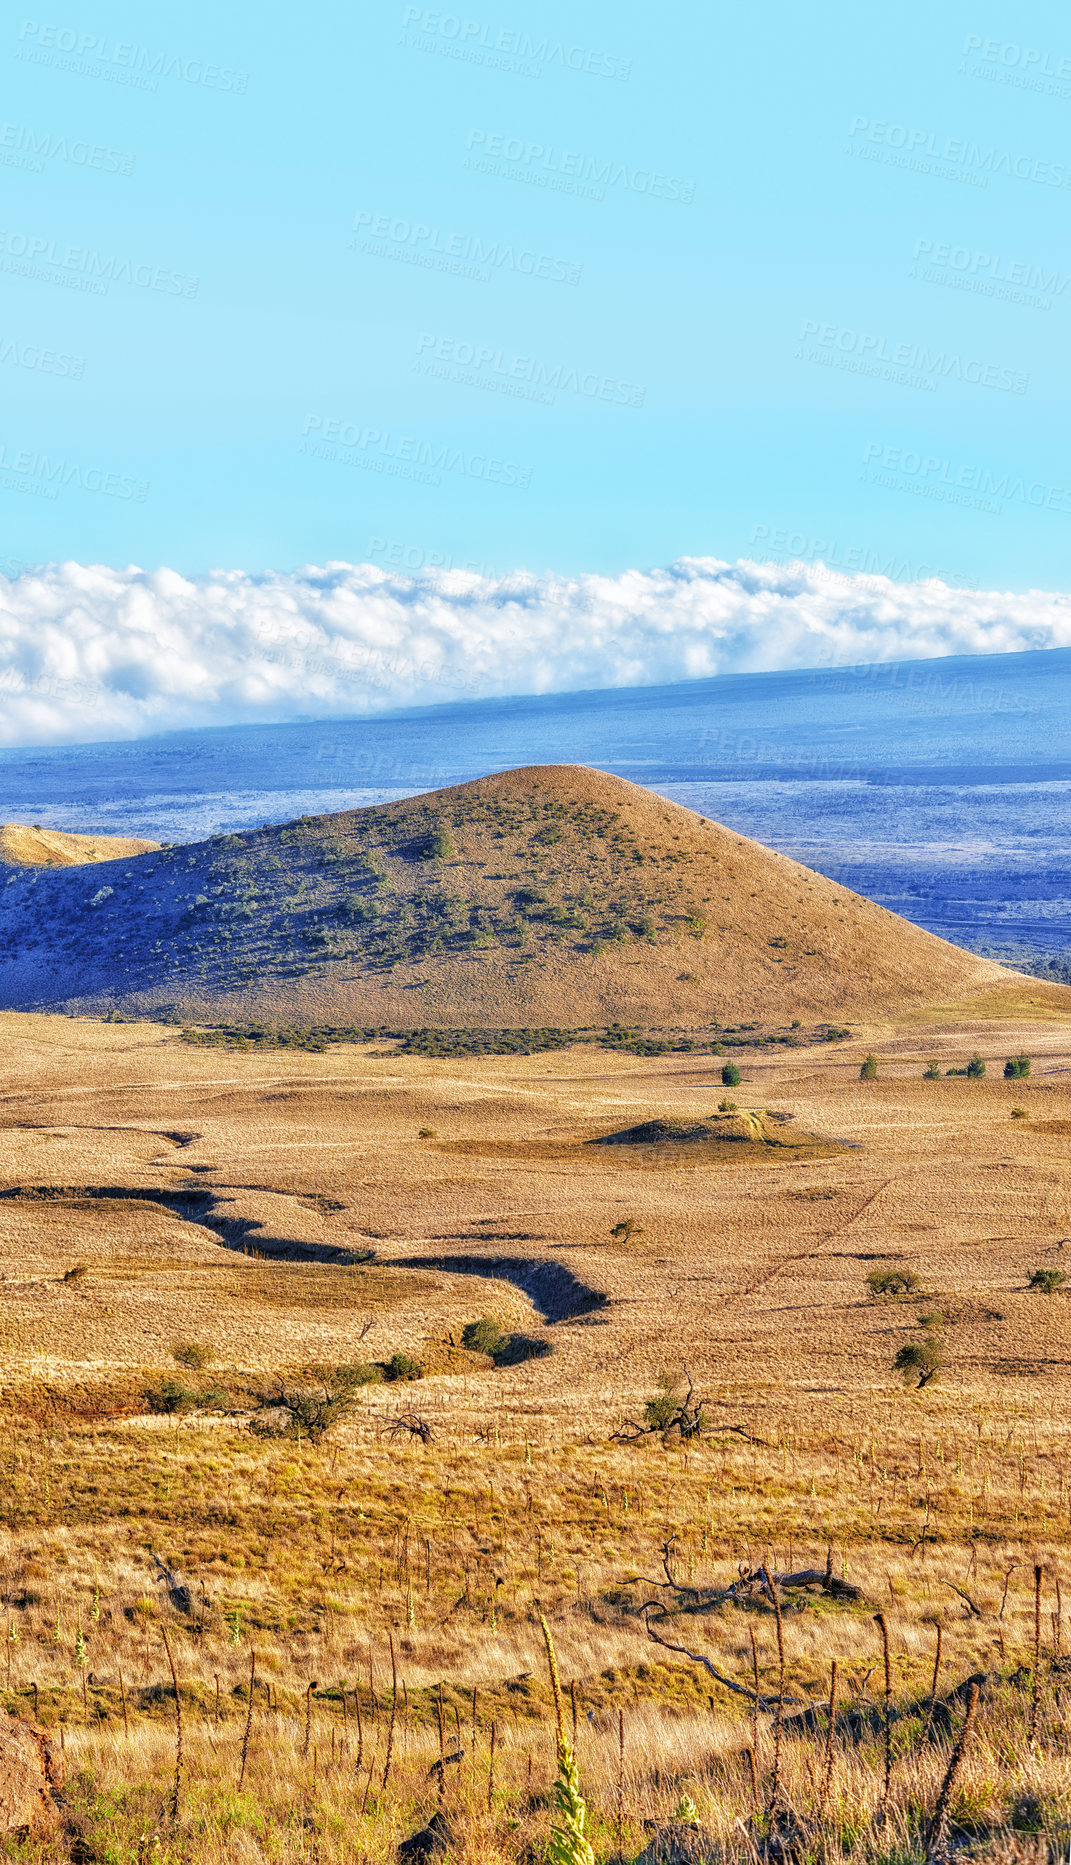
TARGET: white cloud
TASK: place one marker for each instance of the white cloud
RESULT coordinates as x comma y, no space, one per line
93,653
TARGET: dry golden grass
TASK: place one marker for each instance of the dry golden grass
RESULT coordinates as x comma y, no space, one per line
938,1503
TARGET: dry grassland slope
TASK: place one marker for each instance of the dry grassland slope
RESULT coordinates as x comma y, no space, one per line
23,846
554,895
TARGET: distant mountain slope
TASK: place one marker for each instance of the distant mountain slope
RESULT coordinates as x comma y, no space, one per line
23,846
554,895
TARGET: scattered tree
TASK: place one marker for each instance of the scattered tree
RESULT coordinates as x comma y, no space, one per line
897,1280
730,1075
869,1070
310,1410
921,1361
1048,1280
932,1071
976,1067
1017,1068
674,1407
193,1353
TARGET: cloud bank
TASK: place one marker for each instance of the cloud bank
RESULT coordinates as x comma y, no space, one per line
89,653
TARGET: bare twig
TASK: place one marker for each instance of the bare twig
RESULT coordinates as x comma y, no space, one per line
248,1719
176,1790
937,1837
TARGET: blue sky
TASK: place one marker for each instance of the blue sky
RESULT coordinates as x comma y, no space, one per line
363,301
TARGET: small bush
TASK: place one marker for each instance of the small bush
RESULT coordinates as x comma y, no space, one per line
932,1072
75,1274
1048,1280
426,1133
400,1366
192,1353
730,1076
170,1396
626,1229
934,1319
727,1107
921,1361
1019,1113
485,1336
976,1067
869,1070
895,1281
1017,1068
436,846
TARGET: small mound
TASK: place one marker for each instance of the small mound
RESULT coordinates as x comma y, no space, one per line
24,847
743,1126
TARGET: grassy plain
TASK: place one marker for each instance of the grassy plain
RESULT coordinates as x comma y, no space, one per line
285,1209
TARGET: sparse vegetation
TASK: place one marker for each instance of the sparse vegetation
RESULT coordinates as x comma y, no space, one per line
1047,1281
1017,1068
309,1408
626,1229
194,1354
403,1366
896,1279
932,1071
869,1070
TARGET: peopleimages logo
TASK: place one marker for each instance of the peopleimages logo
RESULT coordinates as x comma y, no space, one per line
882,355
568,170
49,362
935,477
968,268
35,147
481,365
478,44
403,456
419,243
33,255
40,472
94,55
928,152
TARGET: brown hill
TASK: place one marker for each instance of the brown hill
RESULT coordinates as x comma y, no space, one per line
24,847
551,896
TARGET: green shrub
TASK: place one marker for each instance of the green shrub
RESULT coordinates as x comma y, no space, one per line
931,1072
921,1361
400,1366
193,1353
730,1076
869,1070
898,1280
1017,1068
436,846
485,1336
1048,1280
170,1396
976,1067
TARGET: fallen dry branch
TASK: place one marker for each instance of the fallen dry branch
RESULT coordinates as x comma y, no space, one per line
751,1588
740,1690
